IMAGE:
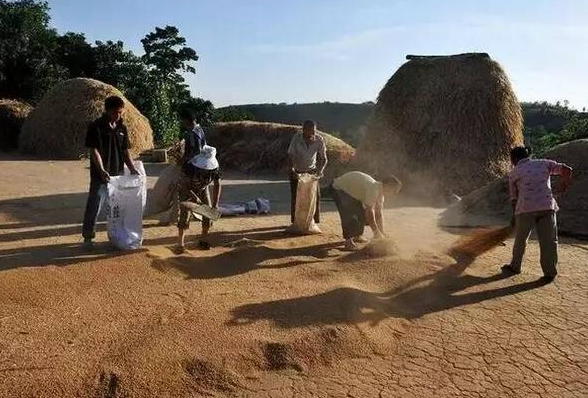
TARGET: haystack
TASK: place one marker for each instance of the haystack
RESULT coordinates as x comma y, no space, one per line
444,124
12,115
254,146
490,205
57,127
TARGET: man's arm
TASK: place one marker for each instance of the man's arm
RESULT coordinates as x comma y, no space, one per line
380,219
129,162
126,154
514,195
216,193
291,154
370,216
97,160
321,159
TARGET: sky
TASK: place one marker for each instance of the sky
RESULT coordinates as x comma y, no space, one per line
259,51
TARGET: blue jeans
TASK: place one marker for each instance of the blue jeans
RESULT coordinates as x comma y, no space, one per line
96,197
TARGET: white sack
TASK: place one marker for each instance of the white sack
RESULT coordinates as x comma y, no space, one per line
127,195
306,193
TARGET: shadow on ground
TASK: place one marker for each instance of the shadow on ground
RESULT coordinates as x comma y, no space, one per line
60,254
438,291
68,208
245,259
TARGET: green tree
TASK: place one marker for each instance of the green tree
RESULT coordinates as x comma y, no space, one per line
232,114
27,47
202,109
167,56
75,54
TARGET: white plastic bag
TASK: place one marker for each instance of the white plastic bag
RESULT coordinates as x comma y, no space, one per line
127,195
306,193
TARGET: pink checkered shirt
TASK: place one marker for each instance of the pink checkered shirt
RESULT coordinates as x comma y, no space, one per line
530,185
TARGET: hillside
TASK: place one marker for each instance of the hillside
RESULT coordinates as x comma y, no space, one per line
545,123
341,119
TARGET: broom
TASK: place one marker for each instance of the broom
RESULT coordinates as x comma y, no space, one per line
479,242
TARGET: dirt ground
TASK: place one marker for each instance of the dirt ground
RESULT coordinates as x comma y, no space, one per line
274,316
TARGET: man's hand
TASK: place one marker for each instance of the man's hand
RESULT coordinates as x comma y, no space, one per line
104,176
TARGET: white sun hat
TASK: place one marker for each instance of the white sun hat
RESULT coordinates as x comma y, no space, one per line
206,159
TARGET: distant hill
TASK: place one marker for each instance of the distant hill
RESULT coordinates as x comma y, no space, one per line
552,117
346,120
343,120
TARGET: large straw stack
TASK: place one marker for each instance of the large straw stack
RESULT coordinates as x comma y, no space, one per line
254,146
57,127
444,124
12,115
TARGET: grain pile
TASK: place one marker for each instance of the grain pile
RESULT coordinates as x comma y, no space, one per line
490,205
57,127
444,124
12,115
254,146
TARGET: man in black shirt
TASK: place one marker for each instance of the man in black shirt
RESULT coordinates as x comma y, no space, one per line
108,141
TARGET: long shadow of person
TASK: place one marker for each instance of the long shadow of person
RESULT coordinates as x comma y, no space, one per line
60,254
352,306
245,259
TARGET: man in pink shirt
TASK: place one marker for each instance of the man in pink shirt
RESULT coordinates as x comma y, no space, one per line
534,206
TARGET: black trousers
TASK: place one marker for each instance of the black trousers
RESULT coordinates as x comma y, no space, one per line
293,190
96,196
351,212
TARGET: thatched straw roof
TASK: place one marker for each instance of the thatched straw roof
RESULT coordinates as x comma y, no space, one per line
444,124
491,204
57,127
254,146
12,115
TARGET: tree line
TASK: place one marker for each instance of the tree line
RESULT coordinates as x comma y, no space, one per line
34,57
547,125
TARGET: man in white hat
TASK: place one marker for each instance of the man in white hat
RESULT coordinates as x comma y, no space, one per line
199,172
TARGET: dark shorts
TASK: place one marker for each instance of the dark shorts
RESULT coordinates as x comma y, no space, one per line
190,186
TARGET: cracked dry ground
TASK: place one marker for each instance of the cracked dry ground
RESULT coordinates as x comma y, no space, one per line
277,316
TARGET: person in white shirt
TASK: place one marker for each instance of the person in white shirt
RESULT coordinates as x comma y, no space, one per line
308,154
360,201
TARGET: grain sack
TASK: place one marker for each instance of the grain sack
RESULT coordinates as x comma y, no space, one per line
127,195
306,194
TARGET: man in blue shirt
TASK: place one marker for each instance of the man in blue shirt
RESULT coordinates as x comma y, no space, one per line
192,134
190,183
